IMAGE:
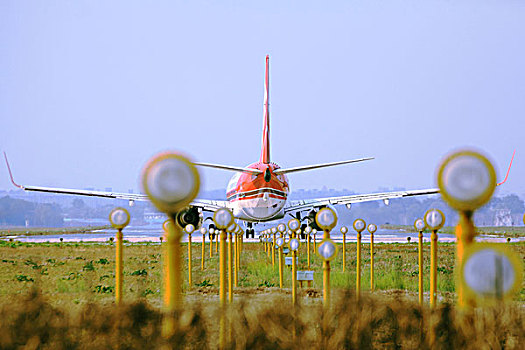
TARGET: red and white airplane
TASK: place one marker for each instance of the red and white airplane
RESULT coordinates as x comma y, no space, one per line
256,193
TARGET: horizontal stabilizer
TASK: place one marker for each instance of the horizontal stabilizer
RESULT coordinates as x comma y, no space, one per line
316,166
231,168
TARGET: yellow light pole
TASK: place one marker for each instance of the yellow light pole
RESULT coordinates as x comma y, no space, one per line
119,218
294,244
189,230
230,262
223,219
344,230
419,225
238,240
466,180
314,231
308,230
158,179
326,219
203,231
434,220
274,232
217,236
211,236
372,229
359,226
281,228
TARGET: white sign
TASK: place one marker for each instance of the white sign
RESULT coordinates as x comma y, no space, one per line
288,260
305,275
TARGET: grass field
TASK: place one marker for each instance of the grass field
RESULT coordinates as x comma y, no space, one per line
69,274
61,296
500,231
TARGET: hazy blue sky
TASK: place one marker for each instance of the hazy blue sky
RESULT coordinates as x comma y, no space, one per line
89,90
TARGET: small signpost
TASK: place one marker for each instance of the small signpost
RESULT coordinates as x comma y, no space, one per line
288,261
304,276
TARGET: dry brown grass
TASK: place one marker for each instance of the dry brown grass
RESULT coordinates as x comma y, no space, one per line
372,322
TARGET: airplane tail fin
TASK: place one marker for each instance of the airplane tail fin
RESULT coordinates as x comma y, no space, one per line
265,150
508,170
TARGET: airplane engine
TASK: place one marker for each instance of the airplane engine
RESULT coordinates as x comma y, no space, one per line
188,216
310,218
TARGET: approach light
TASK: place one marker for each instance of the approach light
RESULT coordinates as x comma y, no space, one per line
203,230
294,244
171,182
326,219
327,249
359,225
419,225
308,229
189,228
279,242
344,230
293,224
274,230
466,180
119,218
223,218
349,206
372,228
281,228
212,231
434,219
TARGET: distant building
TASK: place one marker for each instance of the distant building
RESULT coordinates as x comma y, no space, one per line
502,217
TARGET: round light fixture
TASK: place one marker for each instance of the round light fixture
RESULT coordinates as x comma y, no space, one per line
223,218
466,180
119,218
434,219
359,225
326,219
171,181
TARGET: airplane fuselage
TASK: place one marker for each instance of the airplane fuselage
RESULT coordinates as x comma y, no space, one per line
259,197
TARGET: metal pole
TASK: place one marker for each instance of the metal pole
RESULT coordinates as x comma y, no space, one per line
465,233
203,251
119,268
189,261
236,266
326,276
222,268
294,275
230,268
172,279
273,251
358,266
308,250
420,262
372,262
433,268
211,246
344,252
281,265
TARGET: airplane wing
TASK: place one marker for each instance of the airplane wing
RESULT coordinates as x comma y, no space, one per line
308,204
204,204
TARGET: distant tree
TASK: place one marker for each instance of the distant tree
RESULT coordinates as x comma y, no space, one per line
78,203
47,215
15,211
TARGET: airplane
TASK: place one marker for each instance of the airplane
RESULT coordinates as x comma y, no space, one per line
258,192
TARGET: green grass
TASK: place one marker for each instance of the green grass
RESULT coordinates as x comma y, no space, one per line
71,272
501,231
